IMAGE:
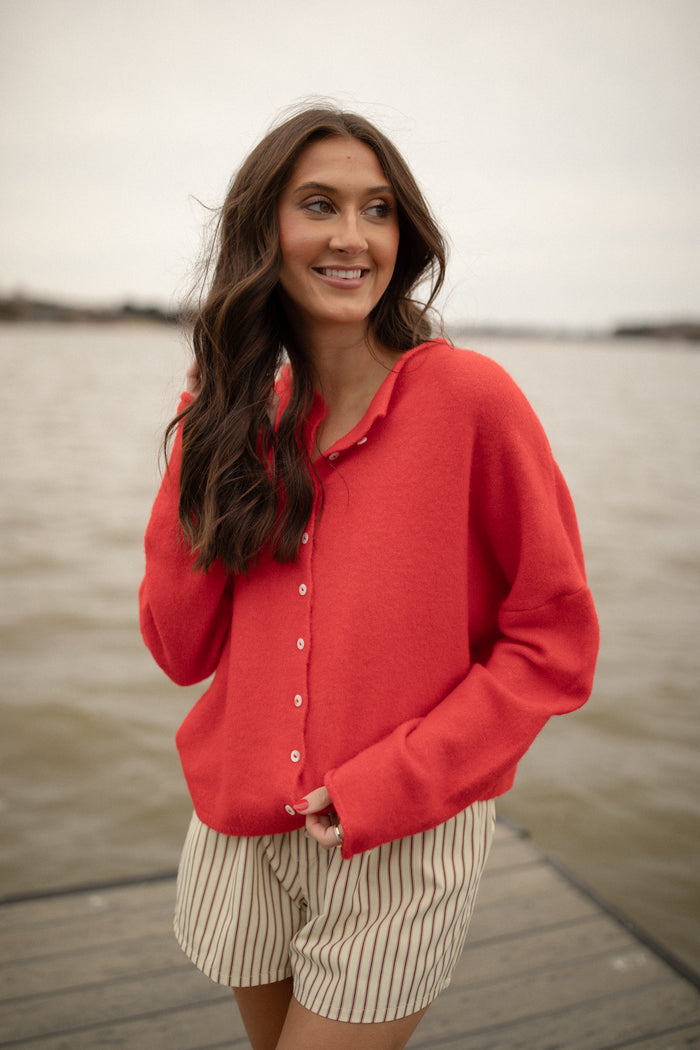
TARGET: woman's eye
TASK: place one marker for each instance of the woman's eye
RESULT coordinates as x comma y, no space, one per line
380,210
319,207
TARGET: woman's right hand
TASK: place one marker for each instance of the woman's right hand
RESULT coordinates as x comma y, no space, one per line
193,378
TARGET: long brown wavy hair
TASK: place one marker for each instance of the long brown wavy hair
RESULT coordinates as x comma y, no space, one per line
243,485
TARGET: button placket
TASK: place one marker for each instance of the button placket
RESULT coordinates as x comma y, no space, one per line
303,587
298,699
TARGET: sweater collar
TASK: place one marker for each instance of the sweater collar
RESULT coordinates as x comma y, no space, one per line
377,410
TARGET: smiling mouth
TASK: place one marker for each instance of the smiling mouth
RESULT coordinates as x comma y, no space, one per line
344,275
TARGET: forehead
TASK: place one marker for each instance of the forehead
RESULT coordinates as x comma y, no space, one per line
336,159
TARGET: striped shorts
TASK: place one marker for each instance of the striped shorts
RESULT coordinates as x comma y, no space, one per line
373,938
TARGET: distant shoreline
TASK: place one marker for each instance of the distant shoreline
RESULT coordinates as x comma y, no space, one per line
21,309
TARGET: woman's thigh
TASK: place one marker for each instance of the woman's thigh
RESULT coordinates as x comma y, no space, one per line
304,1030
263,1010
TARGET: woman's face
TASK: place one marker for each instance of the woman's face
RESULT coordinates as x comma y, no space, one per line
339,235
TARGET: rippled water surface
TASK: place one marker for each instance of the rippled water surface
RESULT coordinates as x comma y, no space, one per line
90,785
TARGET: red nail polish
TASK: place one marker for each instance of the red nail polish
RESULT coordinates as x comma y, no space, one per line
304,804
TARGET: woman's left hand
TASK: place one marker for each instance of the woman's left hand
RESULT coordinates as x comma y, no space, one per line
322,821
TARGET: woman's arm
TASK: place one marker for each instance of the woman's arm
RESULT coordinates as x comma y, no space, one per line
185,613
542,663
430,768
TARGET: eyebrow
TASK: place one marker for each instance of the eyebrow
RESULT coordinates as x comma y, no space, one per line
322,187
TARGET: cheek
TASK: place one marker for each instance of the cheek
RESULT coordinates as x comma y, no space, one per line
392,242
296,240
390,250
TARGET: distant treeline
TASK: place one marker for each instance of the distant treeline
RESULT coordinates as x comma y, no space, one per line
23,308
689,330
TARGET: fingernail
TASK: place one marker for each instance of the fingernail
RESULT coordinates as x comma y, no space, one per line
304,804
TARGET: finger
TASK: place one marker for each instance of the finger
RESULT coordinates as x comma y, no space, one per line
320,828
315,801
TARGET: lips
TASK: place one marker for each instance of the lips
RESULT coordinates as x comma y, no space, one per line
343,275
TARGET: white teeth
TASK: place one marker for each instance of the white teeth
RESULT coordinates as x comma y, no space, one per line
348,275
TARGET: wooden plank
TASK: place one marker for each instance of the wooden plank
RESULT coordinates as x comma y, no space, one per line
202,1027
510,853
101,924
558,987
58,971
488,961
684,1039
128,899
606,1023
521,882
108,1002
535,897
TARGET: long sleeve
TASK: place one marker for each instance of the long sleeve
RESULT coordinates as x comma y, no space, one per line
432,767
541,662
185,613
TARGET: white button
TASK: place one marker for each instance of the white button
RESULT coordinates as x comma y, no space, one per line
334,455
305,538
361,441
291,810
297,700
295,756
302,588
300,643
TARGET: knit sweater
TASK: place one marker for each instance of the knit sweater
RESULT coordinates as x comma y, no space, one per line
435,618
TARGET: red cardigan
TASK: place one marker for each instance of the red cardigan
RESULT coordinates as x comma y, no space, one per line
436,617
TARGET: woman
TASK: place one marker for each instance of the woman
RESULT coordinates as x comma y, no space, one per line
372,550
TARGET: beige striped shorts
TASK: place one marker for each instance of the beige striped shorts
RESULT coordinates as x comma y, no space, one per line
373,938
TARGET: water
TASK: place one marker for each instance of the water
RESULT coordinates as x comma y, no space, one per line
90,785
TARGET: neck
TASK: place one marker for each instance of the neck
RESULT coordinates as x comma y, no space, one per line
345,360
346,369
349,366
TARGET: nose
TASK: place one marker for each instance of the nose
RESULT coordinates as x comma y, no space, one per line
347,234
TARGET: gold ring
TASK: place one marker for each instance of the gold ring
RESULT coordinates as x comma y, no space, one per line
338,831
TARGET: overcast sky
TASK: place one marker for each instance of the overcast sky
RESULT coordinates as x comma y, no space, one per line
558,141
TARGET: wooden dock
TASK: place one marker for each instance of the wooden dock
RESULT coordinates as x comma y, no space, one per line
547,967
